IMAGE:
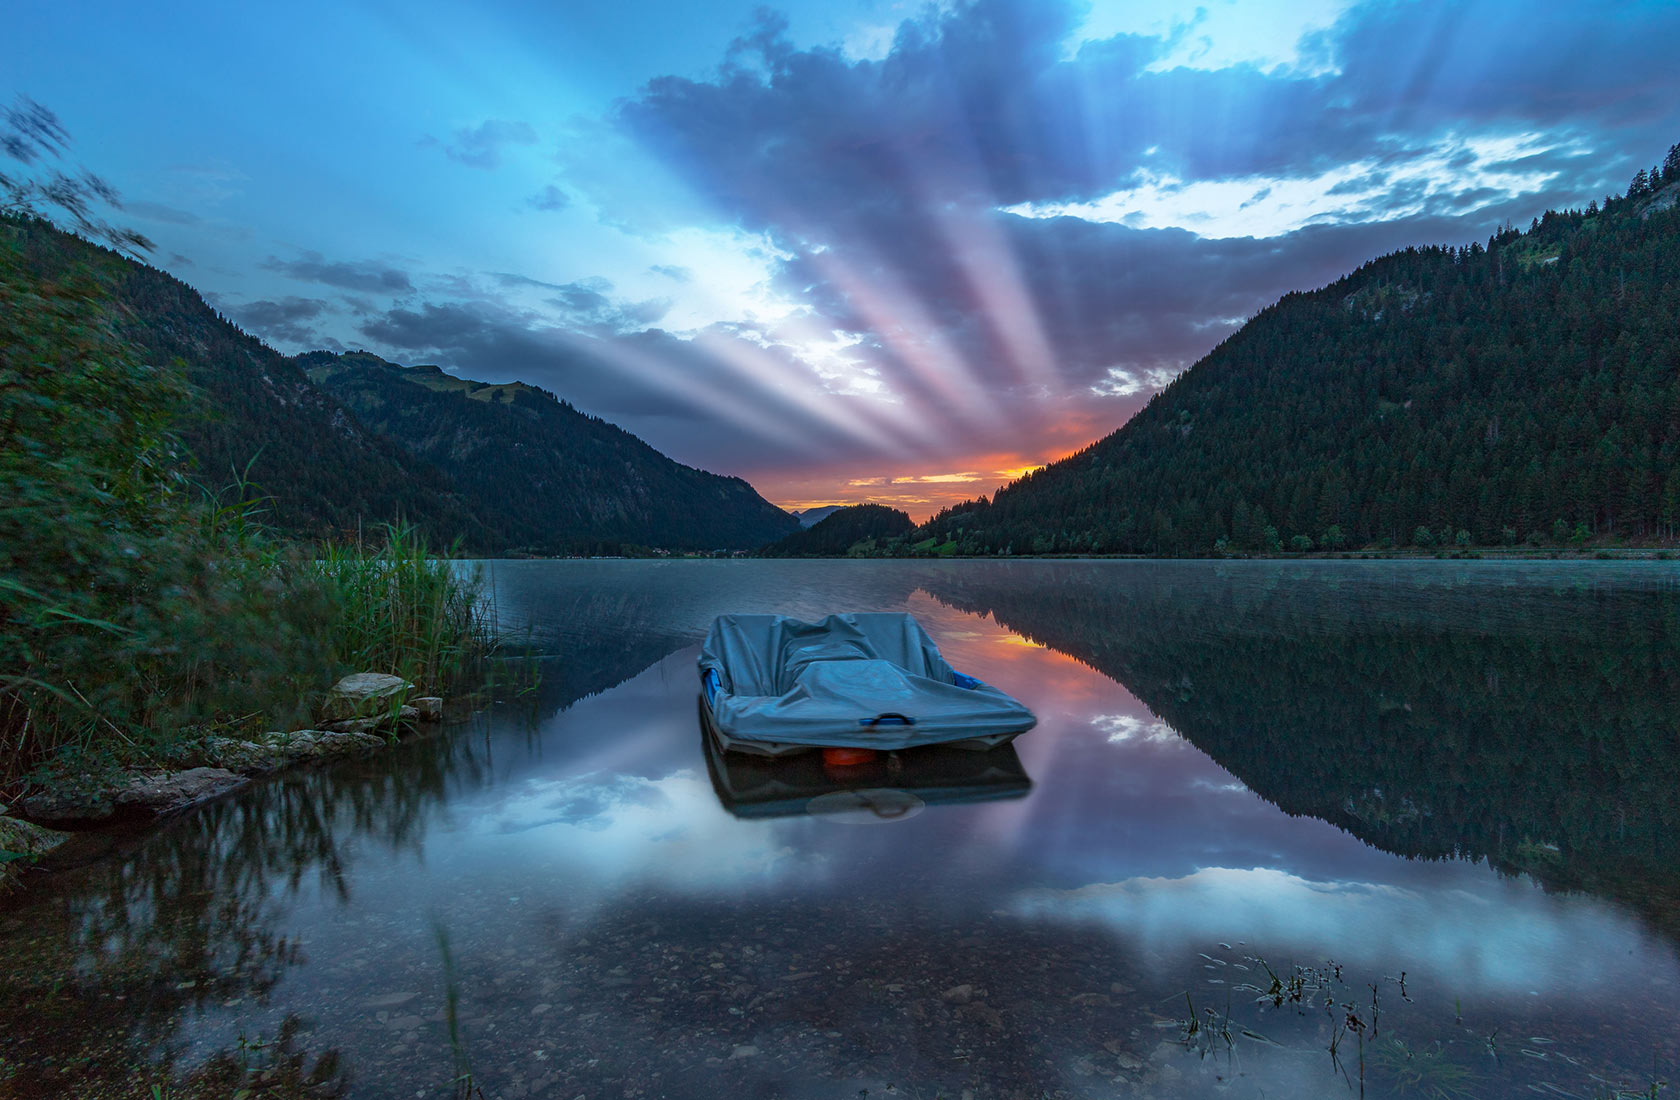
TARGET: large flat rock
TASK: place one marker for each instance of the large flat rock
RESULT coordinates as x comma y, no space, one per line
173,792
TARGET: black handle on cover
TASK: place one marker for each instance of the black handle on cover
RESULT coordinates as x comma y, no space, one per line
890,716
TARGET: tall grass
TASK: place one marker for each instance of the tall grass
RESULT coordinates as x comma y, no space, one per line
137,616
401,610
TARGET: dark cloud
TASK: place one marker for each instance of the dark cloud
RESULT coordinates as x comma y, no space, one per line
481,146
549,198
367,276
683,395
281,319
885,178
882,186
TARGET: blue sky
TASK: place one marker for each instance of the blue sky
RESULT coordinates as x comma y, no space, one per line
848,250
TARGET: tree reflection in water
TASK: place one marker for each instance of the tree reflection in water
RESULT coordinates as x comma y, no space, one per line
1431,712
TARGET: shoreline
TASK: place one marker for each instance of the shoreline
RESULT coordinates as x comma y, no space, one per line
364,714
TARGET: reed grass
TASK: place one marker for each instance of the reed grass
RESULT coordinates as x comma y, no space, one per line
400,609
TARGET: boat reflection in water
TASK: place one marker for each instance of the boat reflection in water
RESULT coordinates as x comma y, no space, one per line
891,787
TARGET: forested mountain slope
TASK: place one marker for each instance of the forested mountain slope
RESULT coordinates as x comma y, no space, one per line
1528,389
257,414
540,475
860,528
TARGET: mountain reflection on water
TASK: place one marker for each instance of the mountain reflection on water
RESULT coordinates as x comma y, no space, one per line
1235,768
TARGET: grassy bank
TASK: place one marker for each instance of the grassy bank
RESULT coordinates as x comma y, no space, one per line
140,612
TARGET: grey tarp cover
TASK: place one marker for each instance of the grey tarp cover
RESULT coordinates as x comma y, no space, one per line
798,683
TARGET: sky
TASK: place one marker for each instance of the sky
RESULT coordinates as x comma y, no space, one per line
847,249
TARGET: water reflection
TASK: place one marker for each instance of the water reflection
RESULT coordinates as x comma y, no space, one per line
1432,713
892,788
631,917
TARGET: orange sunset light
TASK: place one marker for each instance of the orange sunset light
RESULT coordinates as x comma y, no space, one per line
919,494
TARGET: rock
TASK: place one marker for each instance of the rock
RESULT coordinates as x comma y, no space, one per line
244,757
405,716
390,1000
77,800
743,1052
1122,1054
344,743
173,792
958,994
22,839
354,725
1166,1052
428,707
296,745
364,694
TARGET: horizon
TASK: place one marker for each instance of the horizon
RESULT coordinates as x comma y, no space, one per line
861,251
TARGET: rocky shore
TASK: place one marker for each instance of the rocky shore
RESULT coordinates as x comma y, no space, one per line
361,714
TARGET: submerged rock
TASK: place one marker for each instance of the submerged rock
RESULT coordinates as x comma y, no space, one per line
405,716
22,839
365,694
244,757
173,792
345,742
75,800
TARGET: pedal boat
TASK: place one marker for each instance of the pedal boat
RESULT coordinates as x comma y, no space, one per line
773,685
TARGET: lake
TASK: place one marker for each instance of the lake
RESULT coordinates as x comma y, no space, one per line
1402,829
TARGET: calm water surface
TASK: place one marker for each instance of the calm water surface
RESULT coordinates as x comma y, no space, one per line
1331,829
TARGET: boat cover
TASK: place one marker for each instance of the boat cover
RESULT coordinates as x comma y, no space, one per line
873,680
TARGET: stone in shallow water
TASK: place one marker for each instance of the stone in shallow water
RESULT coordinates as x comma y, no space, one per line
364,694
390,1000
336,743
173,792
88,801
25,839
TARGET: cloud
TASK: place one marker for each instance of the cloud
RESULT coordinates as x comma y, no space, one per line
1124,382
549,198
1513,943
368,276
1165,180
481,146
280,319
1455,174
717,399
998,227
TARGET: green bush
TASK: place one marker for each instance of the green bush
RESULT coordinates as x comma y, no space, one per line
138,612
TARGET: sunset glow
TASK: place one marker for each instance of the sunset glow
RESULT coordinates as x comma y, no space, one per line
849,252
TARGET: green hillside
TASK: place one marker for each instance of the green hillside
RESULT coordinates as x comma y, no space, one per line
858,531
253,409
1525,390
540,475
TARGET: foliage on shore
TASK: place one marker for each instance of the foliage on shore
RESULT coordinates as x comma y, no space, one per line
138,610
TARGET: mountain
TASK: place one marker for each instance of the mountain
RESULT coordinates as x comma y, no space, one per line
855,531
499,468
1527,389
810,517
540,475
322,471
